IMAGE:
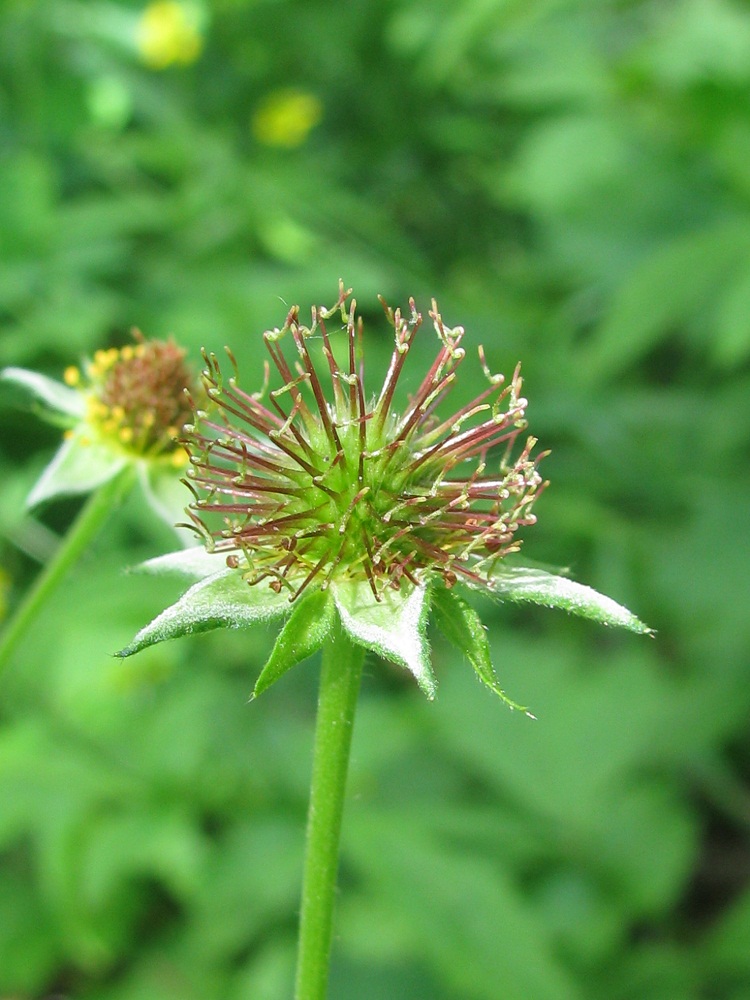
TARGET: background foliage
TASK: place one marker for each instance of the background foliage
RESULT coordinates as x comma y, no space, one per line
571,179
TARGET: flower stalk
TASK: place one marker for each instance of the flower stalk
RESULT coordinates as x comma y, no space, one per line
87,525
339,687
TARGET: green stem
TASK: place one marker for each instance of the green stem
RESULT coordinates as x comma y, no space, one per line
84,528
339,686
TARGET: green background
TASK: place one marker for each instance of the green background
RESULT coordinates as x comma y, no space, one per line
571,180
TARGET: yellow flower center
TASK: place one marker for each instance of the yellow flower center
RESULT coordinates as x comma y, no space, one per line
137,397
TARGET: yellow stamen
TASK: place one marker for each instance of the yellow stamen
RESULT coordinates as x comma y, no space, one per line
71,376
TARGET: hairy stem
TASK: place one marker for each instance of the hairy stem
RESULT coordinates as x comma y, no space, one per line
339,687
93,515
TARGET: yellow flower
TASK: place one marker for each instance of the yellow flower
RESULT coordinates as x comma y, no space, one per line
168,32
122,407
286,117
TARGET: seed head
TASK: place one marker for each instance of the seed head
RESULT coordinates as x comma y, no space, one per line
313,480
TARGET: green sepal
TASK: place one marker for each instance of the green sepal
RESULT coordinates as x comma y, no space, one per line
76,468
463,628
53,398
393,627
308,628
224,600
536,586
194,563
167,495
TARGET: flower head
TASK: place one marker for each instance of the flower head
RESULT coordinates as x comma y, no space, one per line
169,33
321,503
315,481
285,118
135,397
125,406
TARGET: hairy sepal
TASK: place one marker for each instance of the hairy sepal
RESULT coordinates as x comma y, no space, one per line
536,586
194,563
54,398
224,600
167,496
77,467
310,625
393,627
463,628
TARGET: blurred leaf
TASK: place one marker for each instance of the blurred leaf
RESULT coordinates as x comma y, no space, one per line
663,292
725,956
29,948
461,915
732,344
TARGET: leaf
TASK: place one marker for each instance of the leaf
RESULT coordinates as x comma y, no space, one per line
536,586
224,600
56,396
393,627
669,286
76,468
308,628
462,626
731,344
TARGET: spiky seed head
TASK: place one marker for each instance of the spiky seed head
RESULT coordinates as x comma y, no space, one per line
311,480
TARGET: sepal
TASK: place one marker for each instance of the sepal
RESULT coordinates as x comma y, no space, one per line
195,563
308,628
77,467
463,628
55,397
224,600
393,627
166,494
536,586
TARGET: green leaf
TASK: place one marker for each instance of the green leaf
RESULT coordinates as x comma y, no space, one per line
731,343
393,627
224,600
76,468
521,583
669,286
54,395
462,626
308,628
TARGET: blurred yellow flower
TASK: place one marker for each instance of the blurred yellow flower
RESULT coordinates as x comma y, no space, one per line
168,32
286,117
